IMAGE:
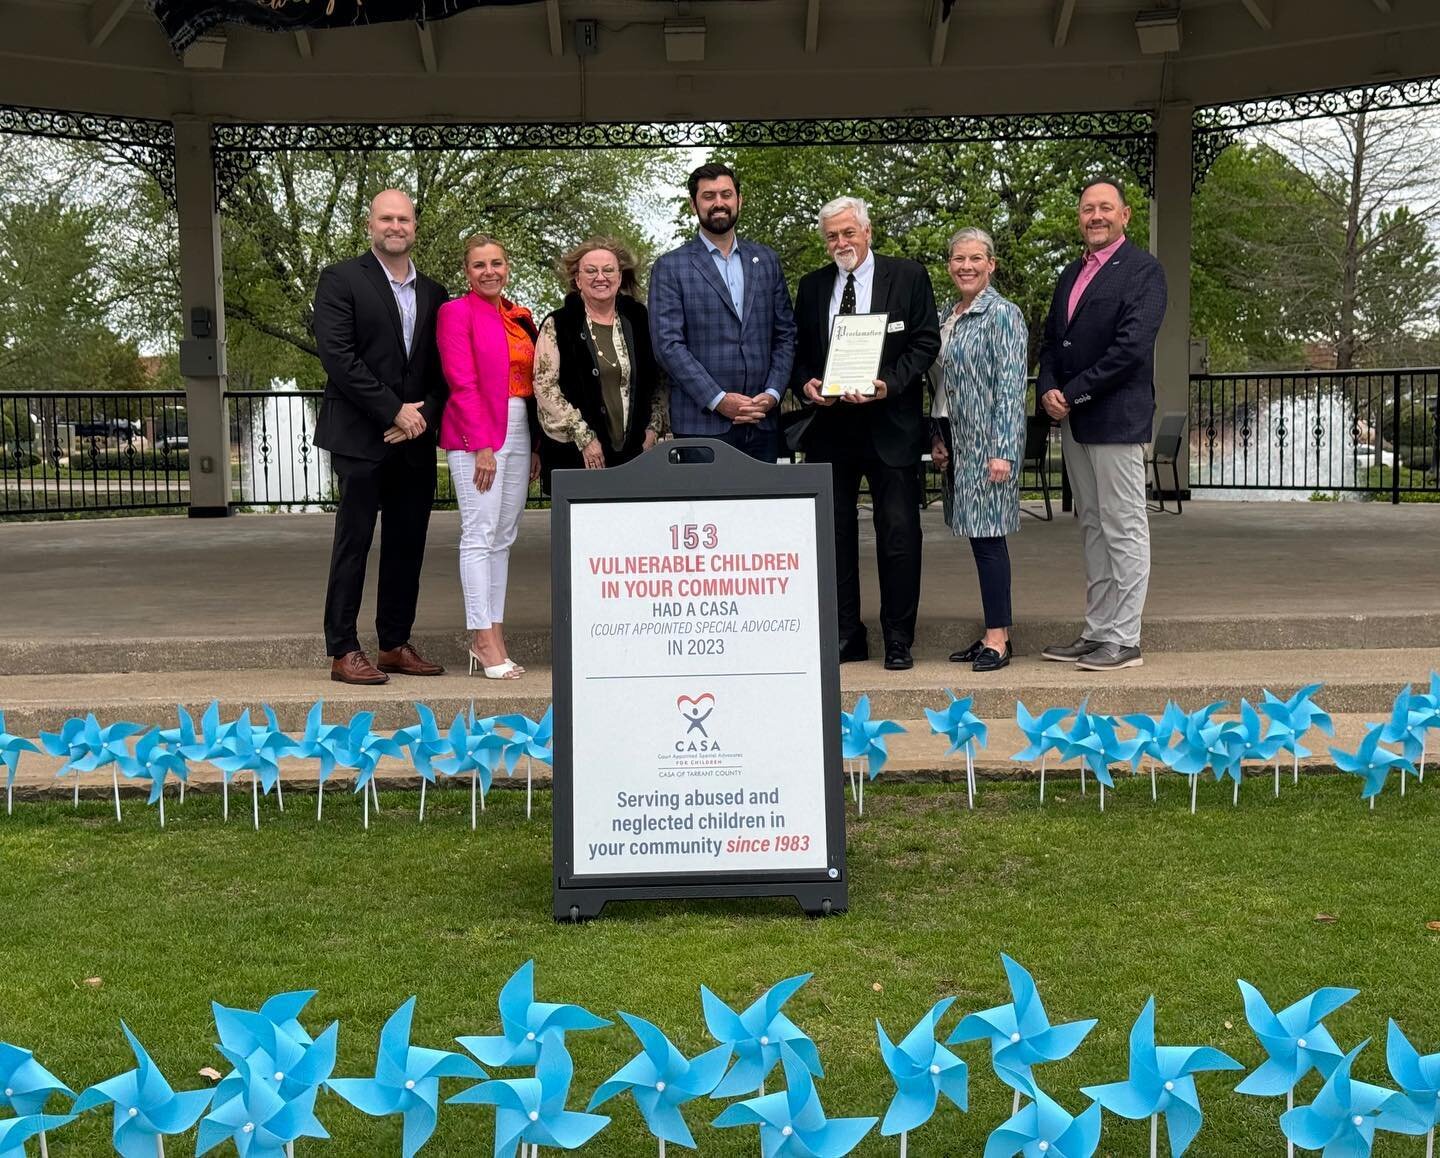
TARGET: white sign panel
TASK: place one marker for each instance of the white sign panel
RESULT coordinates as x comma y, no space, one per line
698,727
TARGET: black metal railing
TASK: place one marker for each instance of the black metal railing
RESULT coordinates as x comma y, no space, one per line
92,451
1354,431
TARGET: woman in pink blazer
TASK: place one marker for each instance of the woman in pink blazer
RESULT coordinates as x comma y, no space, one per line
488,430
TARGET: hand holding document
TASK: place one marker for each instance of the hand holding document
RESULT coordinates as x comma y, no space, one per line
853,364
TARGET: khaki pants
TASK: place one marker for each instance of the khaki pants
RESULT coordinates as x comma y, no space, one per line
1108,482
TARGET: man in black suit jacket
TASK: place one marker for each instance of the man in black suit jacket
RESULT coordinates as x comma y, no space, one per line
375,332
1097,379
879,437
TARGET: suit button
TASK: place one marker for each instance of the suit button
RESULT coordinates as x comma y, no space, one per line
595,372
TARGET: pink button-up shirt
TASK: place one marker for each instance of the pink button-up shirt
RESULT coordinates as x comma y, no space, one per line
1094,263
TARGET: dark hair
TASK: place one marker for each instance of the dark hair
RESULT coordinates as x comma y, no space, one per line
710,171
1104,179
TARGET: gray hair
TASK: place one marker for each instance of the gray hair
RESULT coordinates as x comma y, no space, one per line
841,205
971,233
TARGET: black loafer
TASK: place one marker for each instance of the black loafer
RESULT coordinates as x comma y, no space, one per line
897,657
991,660
854,650
969,655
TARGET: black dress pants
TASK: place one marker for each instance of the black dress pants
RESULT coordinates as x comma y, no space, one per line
895,500
399,488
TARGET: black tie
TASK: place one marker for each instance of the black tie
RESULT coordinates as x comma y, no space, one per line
847,299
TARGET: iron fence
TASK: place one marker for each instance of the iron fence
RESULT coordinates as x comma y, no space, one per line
1325,432
82,451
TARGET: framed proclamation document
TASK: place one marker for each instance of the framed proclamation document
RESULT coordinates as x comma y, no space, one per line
853,363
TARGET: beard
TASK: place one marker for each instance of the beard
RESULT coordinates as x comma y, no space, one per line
847,260
720,219
398,246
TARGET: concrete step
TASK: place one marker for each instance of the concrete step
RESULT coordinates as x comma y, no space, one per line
1229,632
1356,682
915,755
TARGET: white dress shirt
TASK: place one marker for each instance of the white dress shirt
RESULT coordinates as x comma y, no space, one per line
864,279
404,292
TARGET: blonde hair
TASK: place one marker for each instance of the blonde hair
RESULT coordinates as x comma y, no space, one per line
479,241
971,233
570,262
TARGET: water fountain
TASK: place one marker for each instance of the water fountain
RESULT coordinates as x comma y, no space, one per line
285,467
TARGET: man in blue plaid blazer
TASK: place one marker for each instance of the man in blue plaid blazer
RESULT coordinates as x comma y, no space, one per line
721,325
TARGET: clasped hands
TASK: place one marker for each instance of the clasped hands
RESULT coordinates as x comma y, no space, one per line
742,408
812,392
1055,404
409,423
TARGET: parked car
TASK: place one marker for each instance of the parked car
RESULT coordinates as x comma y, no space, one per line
172,443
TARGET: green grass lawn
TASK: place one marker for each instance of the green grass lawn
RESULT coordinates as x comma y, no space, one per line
1104,910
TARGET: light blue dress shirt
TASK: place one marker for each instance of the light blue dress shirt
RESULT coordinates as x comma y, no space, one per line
404,292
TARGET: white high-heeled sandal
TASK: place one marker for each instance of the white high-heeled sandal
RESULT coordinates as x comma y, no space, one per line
501,671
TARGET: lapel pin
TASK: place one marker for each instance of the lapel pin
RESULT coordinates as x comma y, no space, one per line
754,261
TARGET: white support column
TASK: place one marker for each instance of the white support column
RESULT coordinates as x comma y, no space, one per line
202,310
1170,228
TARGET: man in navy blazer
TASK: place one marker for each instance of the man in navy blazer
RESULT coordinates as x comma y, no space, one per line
1097,379
721,325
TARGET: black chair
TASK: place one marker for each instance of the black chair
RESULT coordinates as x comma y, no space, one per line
1037,457
1166,449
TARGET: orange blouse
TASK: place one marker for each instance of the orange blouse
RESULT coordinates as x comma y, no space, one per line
522,349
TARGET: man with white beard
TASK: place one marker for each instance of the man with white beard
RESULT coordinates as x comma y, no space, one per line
878,437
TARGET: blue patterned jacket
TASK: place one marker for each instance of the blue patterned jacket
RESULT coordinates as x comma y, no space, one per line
702,344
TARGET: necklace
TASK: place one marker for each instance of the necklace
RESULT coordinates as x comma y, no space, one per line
599,353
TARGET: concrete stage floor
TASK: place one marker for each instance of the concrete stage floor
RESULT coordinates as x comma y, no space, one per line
173,594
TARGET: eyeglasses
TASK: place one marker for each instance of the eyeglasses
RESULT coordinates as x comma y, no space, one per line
592,271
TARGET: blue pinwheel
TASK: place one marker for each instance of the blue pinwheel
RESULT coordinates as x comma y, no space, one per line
792,1122
1372,763
1020,1033
256,751
325,743
662,1079
278,1047
361,751
1094,741
25,1085
1419,1081
197,747
525,1021
424,741
15,1132
757,1036
1198,743
1411,719
87,746
477,750
963,728
1152,738
1295,1040
864,739
532,739
1245,739
406,1081
1044,733
147,1110
10,749
1161,1082
153,760
1291,718
532,1110
922,1070
1045,1129
1342,1120
1431,702
257,1116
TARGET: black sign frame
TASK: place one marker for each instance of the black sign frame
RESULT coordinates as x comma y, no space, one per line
703,470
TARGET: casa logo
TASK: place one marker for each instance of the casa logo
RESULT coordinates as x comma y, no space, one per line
696,710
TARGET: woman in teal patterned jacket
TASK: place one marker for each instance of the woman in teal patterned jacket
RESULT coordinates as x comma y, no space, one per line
983,360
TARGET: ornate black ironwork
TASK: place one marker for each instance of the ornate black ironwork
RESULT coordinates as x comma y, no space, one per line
1217,127
238,148
149,145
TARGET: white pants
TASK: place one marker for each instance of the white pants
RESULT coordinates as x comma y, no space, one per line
489,521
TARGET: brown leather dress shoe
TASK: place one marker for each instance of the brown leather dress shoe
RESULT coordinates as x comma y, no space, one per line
405,660
354,667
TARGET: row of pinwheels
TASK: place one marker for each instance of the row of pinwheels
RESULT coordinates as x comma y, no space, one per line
472,748
267,1103
1189,743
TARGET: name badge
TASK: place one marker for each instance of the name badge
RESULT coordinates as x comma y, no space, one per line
895,327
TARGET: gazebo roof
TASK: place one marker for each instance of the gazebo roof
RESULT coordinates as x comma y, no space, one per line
504,60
